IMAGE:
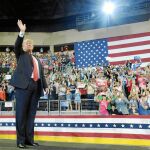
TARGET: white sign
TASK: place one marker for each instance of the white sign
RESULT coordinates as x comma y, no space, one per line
7,77
8,104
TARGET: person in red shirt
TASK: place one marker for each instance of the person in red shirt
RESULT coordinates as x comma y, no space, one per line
2,94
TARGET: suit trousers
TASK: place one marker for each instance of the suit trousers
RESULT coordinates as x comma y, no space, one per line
26,106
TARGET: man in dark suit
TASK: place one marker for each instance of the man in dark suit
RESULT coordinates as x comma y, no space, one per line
29,82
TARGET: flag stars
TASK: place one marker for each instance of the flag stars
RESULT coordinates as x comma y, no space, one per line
6,124
12,124
131,125
91,125
149,126
42,124
36,124
98,125
122,125
62,125
140,126
49,125
55,125
114,125
69,125
83,125
106,125
76,125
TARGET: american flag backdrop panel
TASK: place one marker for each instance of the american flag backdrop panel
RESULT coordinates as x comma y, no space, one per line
119,49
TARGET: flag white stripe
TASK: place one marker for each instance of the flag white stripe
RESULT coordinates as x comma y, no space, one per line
83,120
85,130
123,58
8,128
129,49
126,41
93,120
94,130
145,64
12,120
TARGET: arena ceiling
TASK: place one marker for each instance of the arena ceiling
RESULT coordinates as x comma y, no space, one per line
57,15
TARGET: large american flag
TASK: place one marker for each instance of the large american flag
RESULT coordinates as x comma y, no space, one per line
115,49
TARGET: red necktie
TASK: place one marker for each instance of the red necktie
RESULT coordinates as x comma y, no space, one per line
35,70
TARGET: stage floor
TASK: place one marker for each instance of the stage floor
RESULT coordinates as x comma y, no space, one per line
11,145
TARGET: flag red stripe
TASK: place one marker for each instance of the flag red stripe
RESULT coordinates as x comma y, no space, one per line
83,116
128,45
128,36
7,132
107,135
79,134
130,53
123,62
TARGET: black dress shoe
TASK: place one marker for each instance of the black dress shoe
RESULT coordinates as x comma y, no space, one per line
23,146
33,144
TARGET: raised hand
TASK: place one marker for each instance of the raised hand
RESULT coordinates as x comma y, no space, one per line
21,26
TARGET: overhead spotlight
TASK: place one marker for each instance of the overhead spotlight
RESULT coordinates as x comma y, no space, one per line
108,7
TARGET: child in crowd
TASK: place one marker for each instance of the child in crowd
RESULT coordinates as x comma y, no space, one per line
103,104
77,99
68,98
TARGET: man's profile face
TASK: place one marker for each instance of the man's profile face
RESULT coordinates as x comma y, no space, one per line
28,45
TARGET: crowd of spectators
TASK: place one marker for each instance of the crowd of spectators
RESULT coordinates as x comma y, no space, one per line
121,89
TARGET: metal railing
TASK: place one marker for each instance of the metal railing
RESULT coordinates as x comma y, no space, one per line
54,107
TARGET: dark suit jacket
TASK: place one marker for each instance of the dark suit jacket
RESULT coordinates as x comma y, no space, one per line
24,69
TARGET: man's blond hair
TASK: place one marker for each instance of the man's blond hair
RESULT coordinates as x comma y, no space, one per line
28,40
